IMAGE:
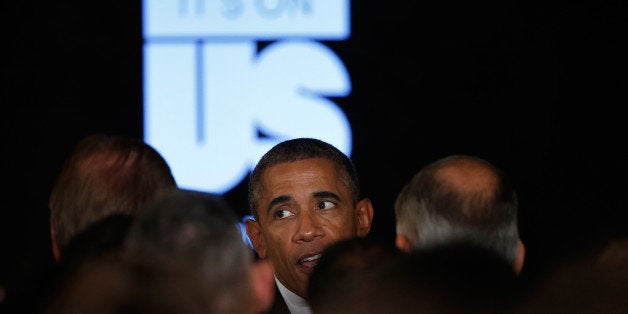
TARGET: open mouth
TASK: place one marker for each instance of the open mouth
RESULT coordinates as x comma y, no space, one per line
310,261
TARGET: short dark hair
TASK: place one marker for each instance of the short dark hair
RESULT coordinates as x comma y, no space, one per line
195,233
299,149
342,260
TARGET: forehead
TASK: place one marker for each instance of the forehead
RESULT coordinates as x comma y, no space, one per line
313,173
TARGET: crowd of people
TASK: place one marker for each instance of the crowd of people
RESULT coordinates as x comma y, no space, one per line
127,239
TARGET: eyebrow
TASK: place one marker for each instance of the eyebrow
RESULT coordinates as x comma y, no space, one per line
277,200
326,194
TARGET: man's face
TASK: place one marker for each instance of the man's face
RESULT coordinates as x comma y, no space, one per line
304,207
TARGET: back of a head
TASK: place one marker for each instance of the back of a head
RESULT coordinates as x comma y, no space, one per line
299,149
195,232
95,248
98,287
459,198
105,175
103,239
456,278
116,287
341,260
595,281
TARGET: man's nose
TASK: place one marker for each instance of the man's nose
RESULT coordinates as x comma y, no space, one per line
310,227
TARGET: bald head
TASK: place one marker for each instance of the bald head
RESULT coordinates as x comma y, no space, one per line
468,178
459,198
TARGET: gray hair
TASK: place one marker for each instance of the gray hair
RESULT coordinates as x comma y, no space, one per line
431,210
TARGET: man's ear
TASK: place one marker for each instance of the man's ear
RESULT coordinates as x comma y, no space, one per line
255,235
518,266
364,216
55,247
402,243
263,284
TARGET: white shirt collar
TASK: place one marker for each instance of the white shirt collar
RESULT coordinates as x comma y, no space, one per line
295,303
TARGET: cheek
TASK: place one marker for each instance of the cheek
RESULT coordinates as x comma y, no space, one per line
279,238
341,228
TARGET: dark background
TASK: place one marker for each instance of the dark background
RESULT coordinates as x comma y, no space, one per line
538,89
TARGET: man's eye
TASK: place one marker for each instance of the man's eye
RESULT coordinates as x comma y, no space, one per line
326,205
283,213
